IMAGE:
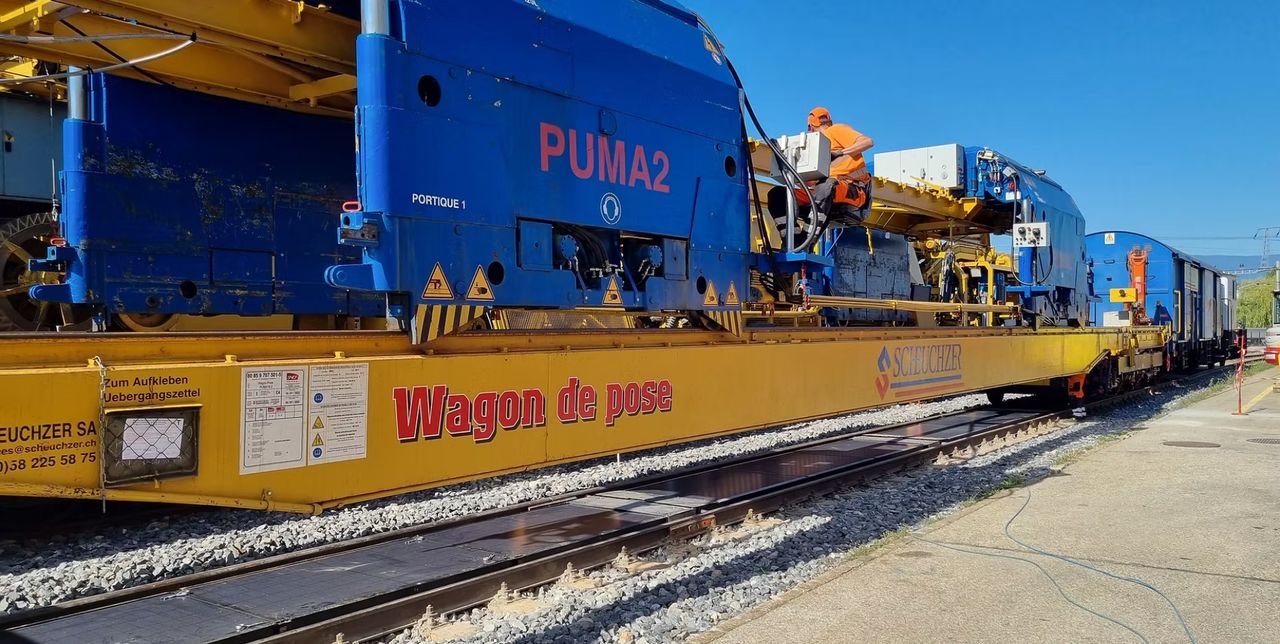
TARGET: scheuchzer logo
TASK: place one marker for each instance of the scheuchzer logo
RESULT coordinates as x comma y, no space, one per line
914,371
882,381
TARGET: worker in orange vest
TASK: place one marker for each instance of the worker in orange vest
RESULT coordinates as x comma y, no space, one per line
847,146
845,196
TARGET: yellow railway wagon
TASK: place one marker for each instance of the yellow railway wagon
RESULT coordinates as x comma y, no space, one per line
308,421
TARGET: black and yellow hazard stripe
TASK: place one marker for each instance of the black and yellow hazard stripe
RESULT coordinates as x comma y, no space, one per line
432,321
730,321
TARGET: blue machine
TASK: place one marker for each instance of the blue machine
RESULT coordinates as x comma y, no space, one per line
1052,280
878,268
226,210
571,154
1196,300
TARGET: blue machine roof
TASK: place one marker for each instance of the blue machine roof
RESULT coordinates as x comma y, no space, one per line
674,8
1043,189
1156,242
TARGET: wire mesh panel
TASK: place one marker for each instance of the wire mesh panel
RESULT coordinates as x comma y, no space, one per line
150,444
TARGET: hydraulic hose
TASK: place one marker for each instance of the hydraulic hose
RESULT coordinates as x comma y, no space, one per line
813,231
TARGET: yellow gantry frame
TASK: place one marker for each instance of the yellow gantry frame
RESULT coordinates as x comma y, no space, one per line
898,208
970,252
717,386
284,53
926,212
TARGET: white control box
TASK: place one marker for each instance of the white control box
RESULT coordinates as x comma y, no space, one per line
808,153
940,165
1030,235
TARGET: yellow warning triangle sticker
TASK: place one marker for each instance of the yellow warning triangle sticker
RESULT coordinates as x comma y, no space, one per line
437,287
319,424
480,289
613,294
710,299
317,441
731,298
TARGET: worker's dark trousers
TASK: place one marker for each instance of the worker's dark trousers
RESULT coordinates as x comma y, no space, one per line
840,212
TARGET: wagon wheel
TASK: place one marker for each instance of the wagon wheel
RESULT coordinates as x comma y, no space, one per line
22,239
148,322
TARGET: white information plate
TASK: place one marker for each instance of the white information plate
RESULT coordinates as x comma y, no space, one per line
273,419
298,416
339,413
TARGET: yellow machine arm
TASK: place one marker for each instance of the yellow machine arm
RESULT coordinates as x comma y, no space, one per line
286,53
929,212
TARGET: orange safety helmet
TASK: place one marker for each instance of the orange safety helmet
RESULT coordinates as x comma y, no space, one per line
817,115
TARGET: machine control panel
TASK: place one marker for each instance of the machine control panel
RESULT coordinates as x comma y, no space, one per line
809,153
1031,235
937,165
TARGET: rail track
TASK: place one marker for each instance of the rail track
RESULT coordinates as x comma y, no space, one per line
370,588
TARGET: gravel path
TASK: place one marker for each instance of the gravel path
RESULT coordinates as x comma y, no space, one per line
724,575
69,566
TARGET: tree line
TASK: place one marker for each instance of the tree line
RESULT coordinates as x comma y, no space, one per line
1256,301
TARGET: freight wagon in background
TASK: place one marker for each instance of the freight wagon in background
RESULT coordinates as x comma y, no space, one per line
1138,280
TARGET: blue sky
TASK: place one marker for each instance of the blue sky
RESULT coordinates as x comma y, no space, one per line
1160,117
